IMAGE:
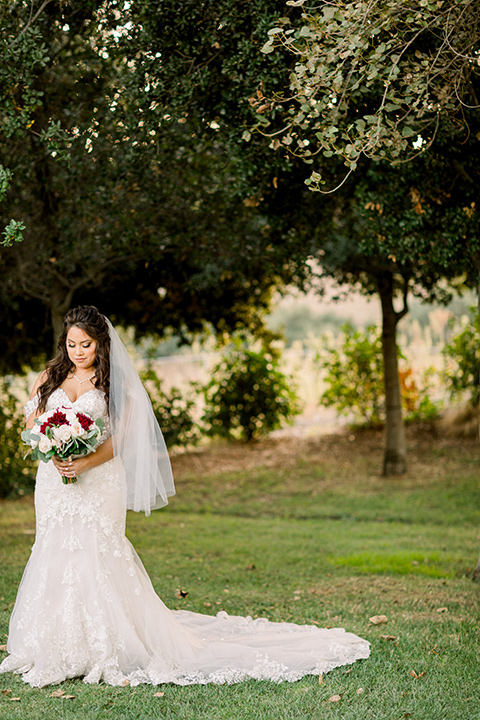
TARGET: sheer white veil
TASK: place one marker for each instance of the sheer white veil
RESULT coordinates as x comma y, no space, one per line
137,438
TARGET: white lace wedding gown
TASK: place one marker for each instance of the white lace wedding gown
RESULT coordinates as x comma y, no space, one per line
86,607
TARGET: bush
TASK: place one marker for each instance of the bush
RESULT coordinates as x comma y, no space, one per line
354,374
173,411
17,475
248,395
354,379
415,400
462,374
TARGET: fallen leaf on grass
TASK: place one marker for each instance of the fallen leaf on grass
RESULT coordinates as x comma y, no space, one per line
61,694
359,691
179,593
3,648
159,694
378,619
334,698
13,699
416,675
125,683
5,692
389,637
320,679
442,609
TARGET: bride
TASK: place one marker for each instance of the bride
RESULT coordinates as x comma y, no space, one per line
85,606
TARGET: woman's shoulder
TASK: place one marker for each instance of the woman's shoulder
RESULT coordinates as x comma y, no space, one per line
38,383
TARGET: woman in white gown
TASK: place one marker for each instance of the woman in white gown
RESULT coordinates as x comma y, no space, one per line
85,606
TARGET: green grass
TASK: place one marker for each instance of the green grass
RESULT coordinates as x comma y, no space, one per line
305,533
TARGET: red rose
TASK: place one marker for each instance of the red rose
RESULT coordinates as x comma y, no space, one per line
84,421
58,418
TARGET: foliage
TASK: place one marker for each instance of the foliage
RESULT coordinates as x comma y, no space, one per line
376,83
248,393
416,399
374,79
17,475
462,372
13,232
136,216
23,55
199,82
353,367
174,411
354,374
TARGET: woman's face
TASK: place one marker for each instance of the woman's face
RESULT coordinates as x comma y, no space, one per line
81,348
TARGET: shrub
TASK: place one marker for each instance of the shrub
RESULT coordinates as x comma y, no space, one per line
354,374
416,400
173,410
17,475
462,374
354,379
248,395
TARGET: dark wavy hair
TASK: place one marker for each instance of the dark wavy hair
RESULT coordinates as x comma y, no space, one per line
93,323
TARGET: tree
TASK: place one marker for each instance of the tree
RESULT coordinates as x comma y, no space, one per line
380,211
142,221
376,82
23,56
376,79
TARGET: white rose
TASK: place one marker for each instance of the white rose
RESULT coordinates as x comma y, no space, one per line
71,416
45,444
77,430
62,433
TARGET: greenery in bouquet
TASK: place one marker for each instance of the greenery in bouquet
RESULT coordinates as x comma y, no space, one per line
62,432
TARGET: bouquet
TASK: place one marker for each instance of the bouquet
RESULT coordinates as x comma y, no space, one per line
63,432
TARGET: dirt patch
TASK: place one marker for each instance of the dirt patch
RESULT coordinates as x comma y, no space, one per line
344,447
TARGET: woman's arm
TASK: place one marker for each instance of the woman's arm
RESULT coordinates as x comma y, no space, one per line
76,466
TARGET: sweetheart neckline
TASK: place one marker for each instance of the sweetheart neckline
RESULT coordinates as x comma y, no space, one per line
80,396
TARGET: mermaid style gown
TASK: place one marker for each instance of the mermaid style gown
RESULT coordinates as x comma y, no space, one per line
86,607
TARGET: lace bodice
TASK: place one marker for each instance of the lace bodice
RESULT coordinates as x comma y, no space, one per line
92,403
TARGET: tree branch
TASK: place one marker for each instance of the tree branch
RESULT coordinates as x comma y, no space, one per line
31,20
401,313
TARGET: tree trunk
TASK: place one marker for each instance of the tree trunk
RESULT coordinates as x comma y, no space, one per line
476,257
395,450
60,302
56,315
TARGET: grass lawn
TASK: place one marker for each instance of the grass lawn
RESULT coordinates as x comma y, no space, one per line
304,531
